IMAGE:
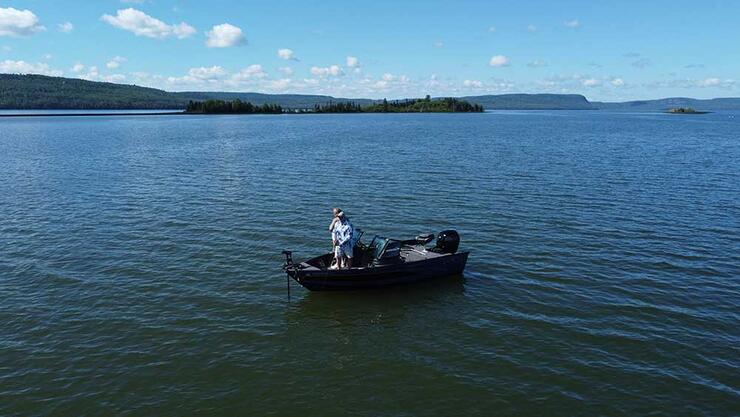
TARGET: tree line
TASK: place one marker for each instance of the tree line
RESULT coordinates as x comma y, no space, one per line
231,107
425,105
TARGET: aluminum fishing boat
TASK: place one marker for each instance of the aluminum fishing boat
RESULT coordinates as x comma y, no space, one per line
383,262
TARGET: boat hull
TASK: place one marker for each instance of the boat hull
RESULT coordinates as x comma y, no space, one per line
380,276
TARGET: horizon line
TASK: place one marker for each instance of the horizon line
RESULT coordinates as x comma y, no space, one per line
372,99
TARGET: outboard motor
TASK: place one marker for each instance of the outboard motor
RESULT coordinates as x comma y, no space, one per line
447,242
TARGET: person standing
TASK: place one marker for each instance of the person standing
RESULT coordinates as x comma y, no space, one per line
342,235
335,219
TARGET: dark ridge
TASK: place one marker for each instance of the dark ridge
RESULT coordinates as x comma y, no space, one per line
38,92
664,104
531,102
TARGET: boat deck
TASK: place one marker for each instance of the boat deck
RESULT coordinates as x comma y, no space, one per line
408,252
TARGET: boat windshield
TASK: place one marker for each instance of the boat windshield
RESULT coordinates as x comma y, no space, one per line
384,247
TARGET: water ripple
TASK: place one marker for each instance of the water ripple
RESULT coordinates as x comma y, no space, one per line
139,265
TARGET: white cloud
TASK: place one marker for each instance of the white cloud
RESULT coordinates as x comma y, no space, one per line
537,63
250,72
454,88
500,86
573,23
6,48
251,78
23,67
207,73
492,29
381,85
311,82
388,81
334,70
689,83
113,78
196,77
353,62
286,70
617,82
92,74
286,54
254,78
571,83
709,82
499,61
531,28
66,27
716,82
438,44
141,24
281,84
115,62
14,22
224,36
48,56
148,80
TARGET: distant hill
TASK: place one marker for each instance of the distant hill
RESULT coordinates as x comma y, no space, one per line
531,102
668,103
43,92
293,101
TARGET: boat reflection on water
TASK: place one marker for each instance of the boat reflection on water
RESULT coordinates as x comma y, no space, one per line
338,331
376,306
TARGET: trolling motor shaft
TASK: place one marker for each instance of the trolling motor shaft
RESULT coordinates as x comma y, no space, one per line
288,260
288,265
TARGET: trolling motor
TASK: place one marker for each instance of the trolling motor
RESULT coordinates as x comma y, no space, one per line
288,260
287,266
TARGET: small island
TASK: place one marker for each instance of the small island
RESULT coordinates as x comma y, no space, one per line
425,105
231,107
685,110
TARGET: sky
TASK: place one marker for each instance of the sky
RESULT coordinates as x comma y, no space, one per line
611,51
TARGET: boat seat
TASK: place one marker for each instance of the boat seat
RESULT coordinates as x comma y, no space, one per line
424,239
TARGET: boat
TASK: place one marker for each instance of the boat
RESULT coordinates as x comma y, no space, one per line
382,263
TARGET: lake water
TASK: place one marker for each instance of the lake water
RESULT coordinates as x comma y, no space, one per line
140,265
6,112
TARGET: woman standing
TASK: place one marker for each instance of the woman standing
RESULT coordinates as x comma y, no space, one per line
342,232
335,219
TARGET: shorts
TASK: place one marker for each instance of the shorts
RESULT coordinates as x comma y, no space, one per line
343,250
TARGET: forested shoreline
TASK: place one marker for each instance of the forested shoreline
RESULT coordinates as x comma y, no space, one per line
425,105
39,92
231,107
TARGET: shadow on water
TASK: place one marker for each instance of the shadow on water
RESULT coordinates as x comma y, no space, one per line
356,304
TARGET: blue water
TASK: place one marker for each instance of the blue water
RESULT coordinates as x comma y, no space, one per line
140,265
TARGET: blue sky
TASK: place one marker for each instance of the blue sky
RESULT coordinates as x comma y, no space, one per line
604,50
